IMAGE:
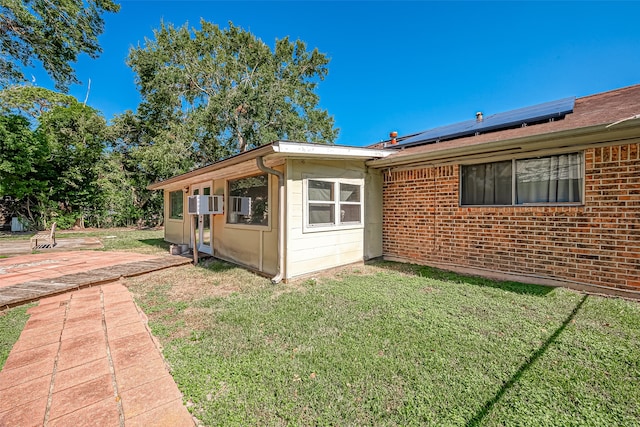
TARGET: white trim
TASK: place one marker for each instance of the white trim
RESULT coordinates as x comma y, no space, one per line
275,150
307,150
337,225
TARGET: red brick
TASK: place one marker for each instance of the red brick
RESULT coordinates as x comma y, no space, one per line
423,223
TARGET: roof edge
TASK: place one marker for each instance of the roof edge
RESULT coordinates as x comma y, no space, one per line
288,149
566,138
263,150
306,149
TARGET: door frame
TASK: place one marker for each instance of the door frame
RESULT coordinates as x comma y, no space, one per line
200,188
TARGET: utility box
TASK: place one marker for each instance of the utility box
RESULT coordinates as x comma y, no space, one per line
16,224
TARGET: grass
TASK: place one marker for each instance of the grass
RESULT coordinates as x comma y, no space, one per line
12,322
147,241
390,344
131,240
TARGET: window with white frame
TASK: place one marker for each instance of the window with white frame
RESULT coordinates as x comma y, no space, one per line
553,179
333,203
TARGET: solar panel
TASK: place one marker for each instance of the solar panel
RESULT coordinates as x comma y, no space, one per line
505,120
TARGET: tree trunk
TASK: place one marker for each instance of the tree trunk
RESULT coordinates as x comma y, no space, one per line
79,222
242,144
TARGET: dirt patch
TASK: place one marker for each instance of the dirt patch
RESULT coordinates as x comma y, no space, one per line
190,283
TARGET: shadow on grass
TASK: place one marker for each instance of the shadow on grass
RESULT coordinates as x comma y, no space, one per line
516,287
217,265
449,276
486,408
158,243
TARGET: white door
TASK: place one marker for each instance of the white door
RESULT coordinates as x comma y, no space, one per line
204,232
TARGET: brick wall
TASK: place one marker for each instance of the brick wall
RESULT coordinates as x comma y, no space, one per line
594,244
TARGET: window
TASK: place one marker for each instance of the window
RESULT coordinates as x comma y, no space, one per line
176,201
487,184
248,200
333,203
551,179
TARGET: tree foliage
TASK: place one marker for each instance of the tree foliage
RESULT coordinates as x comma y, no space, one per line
32,101
148,152
76,139
52,32
23,153
224,91
52,165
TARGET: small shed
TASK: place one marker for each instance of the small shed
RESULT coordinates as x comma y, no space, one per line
285,209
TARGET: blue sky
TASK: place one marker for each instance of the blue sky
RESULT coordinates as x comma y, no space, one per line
403,66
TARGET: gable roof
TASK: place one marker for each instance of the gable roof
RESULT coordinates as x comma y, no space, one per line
586,125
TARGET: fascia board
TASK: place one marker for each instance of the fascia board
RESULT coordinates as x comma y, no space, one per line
306,150
231,161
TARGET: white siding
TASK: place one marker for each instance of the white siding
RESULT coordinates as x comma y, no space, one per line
316,250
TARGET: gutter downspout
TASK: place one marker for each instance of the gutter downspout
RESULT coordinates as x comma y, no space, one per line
278,277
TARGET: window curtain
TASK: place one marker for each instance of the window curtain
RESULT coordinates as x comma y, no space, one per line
552,179
487,184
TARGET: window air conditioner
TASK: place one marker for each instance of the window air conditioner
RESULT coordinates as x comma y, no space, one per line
205,205
240,205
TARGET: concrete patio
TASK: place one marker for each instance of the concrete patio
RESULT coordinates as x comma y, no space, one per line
86,355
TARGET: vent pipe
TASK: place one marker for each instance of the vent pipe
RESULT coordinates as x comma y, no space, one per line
479,116
393,136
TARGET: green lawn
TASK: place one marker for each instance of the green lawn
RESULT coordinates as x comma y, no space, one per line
141,241
116,239
391,344
12,322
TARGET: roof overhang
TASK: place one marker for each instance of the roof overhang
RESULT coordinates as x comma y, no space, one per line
272,153
566,140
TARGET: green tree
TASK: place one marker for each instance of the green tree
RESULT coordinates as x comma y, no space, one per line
148,151
23,158
51,32
120,208
76,138
32,101
224,91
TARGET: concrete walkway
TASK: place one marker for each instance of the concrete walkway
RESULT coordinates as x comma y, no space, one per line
85,356
27,278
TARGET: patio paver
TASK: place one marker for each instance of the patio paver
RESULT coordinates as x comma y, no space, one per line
61,371
27,278
87,358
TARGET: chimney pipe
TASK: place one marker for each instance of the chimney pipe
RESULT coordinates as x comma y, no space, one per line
479,116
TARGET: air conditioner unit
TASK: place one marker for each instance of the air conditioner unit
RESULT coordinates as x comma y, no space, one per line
205,205
240,205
